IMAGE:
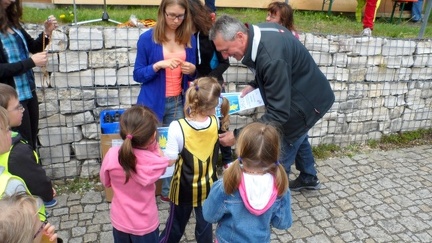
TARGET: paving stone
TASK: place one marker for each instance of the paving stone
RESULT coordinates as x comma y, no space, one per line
379,196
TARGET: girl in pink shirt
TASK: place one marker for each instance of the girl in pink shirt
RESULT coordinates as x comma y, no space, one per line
132,170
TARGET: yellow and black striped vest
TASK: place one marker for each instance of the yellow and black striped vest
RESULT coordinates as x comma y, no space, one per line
195,170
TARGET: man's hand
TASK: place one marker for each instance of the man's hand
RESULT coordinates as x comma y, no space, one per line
227,138
246,90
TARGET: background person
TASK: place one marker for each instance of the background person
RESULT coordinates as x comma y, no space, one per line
165,63
296,93
253,195
283,14
369,16
209,61
416,11
16,63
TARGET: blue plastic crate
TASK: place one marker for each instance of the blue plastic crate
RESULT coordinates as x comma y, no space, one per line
109,121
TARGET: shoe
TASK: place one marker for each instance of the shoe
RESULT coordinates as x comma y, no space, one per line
366,32
50,204
164,199
299,184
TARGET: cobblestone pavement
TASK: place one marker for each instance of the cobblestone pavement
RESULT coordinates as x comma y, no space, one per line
373,197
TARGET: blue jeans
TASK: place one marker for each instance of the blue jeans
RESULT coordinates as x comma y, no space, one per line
122,237
417,10
173,111
299,152
177,221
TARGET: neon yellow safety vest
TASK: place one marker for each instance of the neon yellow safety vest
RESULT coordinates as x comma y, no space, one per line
10,184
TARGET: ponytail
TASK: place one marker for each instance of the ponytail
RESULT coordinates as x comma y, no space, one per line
225,107
127,158
232,177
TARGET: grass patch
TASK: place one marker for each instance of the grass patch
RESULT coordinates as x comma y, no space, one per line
305,21
77,185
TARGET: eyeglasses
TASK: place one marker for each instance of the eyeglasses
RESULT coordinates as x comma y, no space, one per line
44,223
19,107
172,16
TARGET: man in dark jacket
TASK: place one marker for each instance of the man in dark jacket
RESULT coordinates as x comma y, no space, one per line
295,92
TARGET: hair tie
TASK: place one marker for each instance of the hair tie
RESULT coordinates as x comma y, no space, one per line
277,163
196,86
240,162
129,136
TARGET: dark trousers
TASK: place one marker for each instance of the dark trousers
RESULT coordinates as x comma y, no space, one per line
122,237
177,221
30,121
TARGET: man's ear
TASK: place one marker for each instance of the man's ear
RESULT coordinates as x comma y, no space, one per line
213,17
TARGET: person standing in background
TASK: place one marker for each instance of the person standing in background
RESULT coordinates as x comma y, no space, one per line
369,16
165,64
416,11
283,14
209,61
16,63
295,92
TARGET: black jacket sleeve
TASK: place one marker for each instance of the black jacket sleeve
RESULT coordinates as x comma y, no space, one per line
22,163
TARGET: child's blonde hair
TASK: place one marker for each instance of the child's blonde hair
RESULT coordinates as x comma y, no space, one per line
138,126
203,95
17,221
258,149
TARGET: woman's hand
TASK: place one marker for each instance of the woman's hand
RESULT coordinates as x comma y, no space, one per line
50,24
170,63
188,68
40,59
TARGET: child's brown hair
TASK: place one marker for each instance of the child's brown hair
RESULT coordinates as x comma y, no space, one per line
286,14
7,92
258,150
138,126
203,95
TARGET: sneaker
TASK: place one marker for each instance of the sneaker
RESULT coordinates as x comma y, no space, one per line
298,184
366,32
164,199
50,204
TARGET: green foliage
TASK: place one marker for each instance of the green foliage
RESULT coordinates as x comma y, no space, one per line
324,151
305,21
77,185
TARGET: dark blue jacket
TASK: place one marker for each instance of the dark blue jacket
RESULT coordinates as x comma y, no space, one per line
153,84
295,91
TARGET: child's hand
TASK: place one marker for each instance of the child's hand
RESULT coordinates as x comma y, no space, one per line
49,234
54,192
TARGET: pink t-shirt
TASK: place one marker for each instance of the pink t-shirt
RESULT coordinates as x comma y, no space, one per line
133,207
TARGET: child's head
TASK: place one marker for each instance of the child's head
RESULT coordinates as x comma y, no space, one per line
19,222
9,101
202,97
281,13
258,151
201,16
138,126
5,134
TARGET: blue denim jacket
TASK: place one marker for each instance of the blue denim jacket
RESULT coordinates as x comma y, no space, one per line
236,223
